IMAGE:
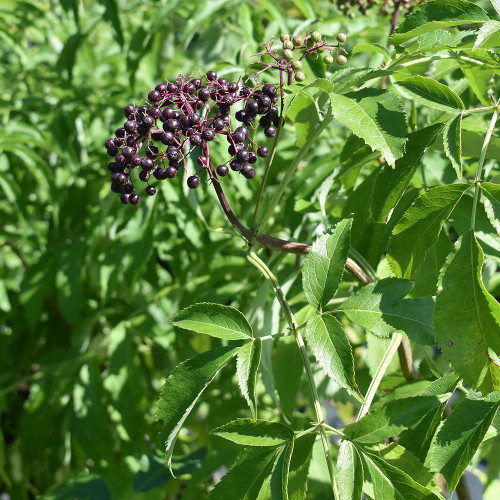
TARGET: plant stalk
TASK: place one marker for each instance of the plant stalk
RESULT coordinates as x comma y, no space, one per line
292,323
479,171
379,374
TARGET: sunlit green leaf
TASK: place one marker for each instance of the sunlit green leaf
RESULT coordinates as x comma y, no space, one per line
247,368
464,338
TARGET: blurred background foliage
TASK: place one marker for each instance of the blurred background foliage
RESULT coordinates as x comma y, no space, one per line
87,285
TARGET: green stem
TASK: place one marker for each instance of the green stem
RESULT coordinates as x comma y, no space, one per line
397,64
364,263
481,163
294,327
379,374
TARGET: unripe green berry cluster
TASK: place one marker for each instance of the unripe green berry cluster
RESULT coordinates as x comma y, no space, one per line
312,45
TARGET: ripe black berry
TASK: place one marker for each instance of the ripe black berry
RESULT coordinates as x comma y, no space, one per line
134,199
155,112
247,170
252,157
235,165
222,170
128,152
242,155
263,151
116,188
161,88
270,132
252,108
196,140
151,190
218,124
160,174
148,121
269,90
112,150
242,130
167,138
193,182
204,94
130,126
144,175
194,118
211,75
120,132
248,120
124,198
223,82
171,172
264,101
173,153
129,110
208,134
233,87
128,189
154,96
147,163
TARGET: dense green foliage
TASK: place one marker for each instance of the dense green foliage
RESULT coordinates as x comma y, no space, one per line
391,160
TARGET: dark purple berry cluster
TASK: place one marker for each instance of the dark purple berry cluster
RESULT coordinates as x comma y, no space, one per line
183,118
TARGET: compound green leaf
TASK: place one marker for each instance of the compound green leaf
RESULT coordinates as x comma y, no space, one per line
391,183
245,478
467,317
399,457
376,116
371,47
488,35
491,200
383,480
436,15
432,93
247,369
452,143
182,389
219,321
248,432
389,419
418,439
326,338
324,265
419,228
349,472
380,308
280,472
460,435
496,5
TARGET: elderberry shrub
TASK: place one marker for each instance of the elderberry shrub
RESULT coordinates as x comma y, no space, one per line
183,118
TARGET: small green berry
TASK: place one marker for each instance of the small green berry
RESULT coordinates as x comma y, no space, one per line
341,38
284,36
328,59
296,65
341,59
313,55
288,54
287,45
315,36
297,40
300,76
